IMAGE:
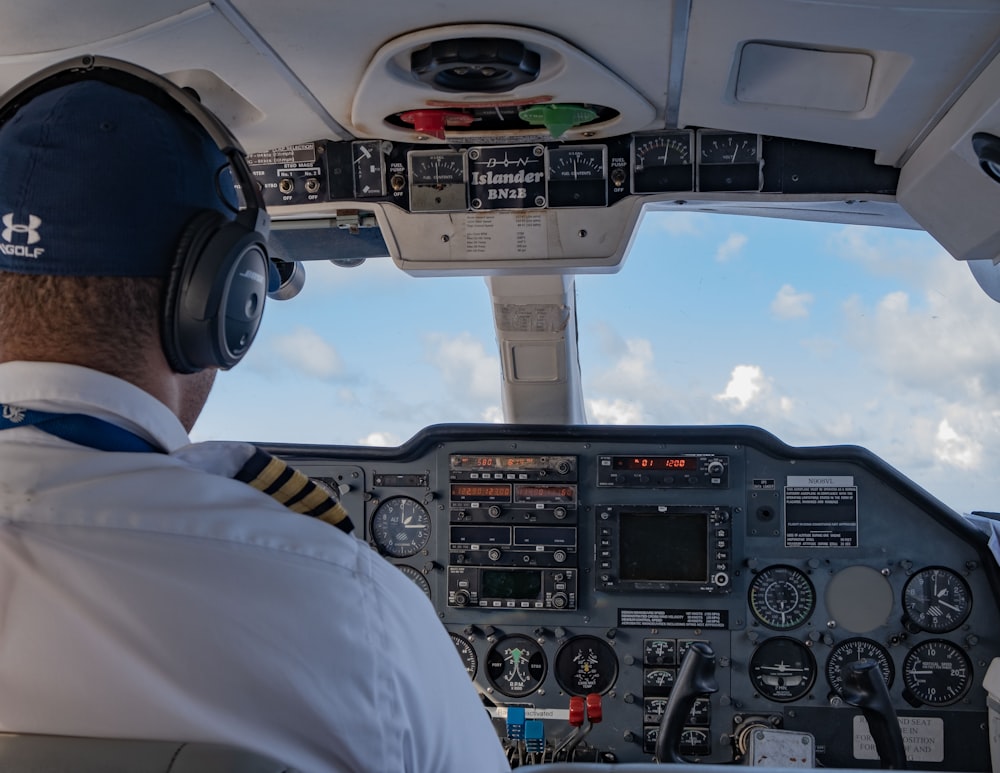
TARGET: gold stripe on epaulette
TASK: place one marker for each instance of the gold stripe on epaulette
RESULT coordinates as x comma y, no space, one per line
310,501
296,484
266,477
335,516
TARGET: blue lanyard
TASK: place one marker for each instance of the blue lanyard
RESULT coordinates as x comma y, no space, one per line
77,428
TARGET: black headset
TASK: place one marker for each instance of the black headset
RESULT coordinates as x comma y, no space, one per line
219,279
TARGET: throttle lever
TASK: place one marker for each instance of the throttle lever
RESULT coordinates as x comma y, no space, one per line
695,679
864,687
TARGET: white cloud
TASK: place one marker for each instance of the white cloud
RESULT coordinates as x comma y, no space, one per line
492,415
305,350
606,411
465,365
379,439
960,451
791,304
731,247
746,384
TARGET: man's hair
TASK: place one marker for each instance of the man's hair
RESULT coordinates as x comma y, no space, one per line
106,323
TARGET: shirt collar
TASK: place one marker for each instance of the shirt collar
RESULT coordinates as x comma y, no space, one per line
61,388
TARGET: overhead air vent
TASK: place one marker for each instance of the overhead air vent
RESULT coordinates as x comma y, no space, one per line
480,83
488,65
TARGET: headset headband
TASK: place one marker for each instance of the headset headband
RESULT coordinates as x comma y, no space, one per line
162,92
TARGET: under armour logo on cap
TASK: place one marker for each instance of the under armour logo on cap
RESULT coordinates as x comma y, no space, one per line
12,228
21,249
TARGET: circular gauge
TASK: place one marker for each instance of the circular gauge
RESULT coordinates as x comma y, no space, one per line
577,163
418,578
937,599
782,669
937,673
516,666
586,664
854,651
466,653
401,527
782,597
436,169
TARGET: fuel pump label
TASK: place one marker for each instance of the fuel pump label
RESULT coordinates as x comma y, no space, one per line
923,739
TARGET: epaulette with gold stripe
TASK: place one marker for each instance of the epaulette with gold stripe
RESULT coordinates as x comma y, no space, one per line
294,489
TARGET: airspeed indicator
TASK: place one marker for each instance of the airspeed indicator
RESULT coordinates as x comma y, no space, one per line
782,597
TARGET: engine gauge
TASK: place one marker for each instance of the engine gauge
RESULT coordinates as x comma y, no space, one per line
400,527
659,679
516,666
437,167
782,597
662,162
728,148
728,161
782,669
586,664
936,673
437,180
466,653
418,578
369,172
854,651
937,600
577,176
578,162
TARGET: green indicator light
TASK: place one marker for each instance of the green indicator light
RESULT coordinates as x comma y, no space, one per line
557,118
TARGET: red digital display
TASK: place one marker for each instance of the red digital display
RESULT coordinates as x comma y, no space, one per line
654,463
481,491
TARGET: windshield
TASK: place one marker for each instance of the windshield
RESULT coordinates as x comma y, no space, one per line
819,333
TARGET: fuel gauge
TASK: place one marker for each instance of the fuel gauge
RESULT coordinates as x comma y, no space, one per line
577,176
437,180
437,168
580,162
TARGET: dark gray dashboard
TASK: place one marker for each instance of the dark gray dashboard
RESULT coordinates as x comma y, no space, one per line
574,560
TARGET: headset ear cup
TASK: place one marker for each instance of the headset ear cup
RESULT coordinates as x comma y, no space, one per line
215,294
196,234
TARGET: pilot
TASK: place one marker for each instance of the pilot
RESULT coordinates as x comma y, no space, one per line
151,587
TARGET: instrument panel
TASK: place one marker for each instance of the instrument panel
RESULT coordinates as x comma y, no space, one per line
583,562
548,174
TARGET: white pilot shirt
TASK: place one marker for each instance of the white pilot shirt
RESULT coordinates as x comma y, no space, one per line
143,597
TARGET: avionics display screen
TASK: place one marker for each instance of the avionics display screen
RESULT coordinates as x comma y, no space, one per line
510,584
663,547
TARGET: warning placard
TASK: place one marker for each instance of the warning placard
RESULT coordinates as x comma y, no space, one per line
923,739
821,512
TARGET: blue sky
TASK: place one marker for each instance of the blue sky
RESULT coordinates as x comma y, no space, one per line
818,333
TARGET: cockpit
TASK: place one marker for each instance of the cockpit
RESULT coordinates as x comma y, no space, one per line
696,591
